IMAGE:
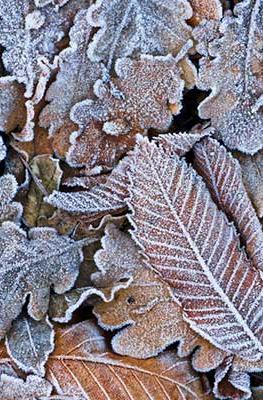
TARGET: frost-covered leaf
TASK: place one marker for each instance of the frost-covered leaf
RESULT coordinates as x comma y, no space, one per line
46,173
222,174
145,94
34,387
234,74
83,366
30,266
29,343
194,249
147,306
101,199
252,174
131,27
9,210
205,10
111,196
56,3
12,104
74,81
30,35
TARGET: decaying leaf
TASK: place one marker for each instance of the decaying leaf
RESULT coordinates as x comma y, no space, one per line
234,74
108,125
82,365
46,173
29,344
132,27
12,104
194,249
34,388
222,174
151,317
9,210
252,172
74,81
30,266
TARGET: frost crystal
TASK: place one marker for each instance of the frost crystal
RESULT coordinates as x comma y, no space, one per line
234,75
31,267
132,27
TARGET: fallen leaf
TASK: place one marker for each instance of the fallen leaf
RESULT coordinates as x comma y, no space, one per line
12,104
82,365
205,10
138,27
30,267
222,175
195,249
74,81
108,125
233,73
29,344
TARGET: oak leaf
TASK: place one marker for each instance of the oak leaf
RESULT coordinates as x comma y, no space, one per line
233,73
196,252
109,124
82,365
30,266
131,27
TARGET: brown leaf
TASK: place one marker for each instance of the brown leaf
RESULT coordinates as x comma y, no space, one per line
82,365
205,10
152,318
195,249
108,125
12,104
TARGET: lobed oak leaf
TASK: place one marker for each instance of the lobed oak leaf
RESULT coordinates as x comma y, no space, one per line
30,35
234,76
223,176
131,27
252,170
30,266
191,244
74,81
108,125
29,343
34,387
151,318
10,210
82,365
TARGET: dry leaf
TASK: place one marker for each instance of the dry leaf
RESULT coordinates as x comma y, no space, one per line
233,72
46,174
109,124
222,174
12,388
82,365
9,210
130,27
30,267
205,10
29,343
152,318
194,249
74,81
